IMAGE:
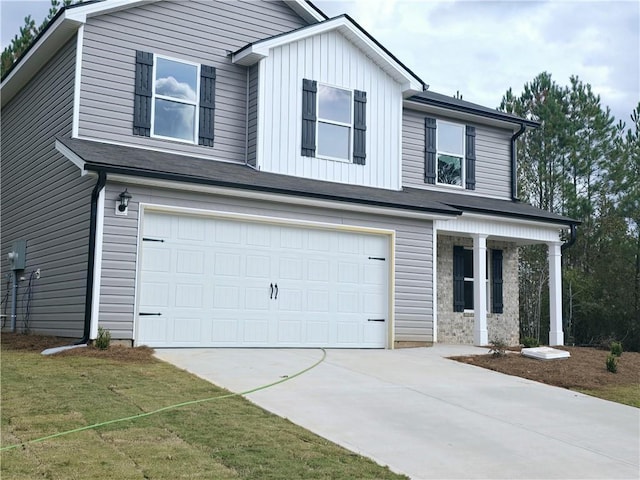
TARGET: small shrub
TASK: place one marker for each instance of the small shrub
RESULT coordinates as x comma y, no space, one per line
104,339
498,347
612,363
530,342
616,349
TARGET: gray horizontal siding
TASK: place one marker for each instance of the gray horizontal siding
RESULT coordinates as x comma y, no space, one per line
413,300
202,31
493,163
45,201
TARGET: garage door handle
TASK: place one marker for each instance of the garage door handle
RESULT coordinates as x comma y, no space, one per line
147,314
271,294
276,297
377,258
375,319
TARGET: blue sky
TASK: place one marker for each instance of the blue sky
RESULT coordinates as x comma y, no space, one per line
482,47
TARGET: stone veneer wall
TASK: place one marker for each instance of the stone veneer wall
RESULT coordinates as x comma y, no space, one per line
457,327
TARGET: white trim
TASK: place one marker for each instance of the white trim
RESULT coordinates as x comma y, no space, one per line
97,266
556,334
278,198
400,181
100,8
305,10
172,209
455,189
261,49
138,262
155,96
260,113
71,156
434,280
521,221
77,83
350,125
463,157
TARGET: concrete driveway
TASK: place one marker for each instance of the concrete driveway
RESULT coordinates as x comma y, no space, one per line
429,417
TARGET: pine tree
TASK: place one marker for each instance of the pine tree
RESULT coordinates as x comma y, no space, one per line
28,33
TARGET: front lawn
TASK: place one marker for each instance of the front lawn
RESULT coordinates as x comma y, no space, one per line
228,438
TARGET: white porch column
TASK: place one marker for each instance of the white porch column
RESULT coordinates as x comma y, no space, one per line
480,334
556,336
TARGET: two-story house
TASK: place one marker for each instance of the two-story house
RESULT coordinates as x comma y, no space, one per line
253,173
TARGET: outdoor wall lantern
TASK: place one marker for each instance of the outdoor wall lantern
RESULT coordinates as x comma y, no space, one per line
123,202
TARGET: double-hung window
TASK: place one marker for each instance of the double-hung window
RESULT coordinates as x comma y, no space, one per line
334,122
450,154
450,148
463,297
175,99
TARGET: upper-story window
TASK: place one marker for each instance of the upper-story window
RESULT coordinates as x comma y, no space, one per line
450,153
175,99
334,122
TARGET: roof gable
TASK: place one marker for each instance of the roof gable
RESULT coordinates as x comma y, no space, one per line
254,52
67,23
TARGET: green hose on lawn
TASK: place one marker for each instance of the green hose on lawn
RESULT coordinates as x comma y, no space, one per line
170,407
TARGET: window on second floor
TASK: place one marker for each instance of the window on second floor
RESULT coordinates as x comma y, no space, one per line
174,99
334,122
450,154
450,148
175,102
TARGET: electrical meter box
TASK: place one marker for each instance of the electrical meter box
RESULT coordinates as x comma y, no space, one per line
18,255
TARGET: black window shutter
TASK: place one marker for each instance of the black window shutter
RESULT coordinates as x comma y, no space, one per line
142,94
496,284
470,173
359,127
309,90
207,105
430,151
458,279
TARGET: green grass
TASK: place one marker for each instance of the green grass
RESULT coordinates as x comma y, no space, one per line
625,394
229,438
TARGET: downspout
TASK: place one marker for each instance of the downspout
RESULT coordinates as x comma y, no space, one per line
514,165
102,180
572,238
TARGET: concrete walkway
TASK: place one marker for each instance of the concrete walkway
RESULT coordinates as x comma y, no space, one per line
432,418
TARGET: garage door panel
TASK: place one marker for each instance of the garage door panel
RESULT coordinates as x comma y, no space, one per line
190,261
217,291
191,228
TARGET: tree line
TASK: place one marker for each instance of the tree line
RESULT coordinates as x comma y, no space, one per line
583,164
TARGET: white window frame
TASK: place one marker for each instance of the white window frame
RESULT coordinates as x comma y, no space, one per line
444,152
196,124
333,122
489,276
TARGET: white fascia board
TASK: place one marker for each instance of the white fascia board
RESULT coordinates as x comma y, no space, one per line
72,157
261,49
306,11
519,221
54,37
279,198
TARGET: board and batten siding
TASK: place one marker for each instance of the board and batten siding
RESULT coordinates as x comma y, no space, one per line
201,31
332,59
413,253
45,201
493,162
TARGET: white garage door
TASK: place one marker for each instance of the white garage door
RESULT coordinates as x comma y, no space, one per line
220,283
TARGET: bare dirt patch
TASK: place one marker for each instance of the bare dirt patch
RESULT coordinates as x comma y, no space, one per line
584,370
38,343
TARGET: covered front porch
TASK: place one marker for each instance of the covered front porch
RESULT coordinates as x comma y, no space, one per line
476,278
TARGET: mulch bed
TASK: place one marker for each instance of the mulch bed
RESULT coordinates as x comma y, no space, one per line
585,369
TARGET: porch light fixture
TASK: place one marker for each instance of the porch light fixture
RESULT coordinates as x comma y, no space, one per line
124,201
